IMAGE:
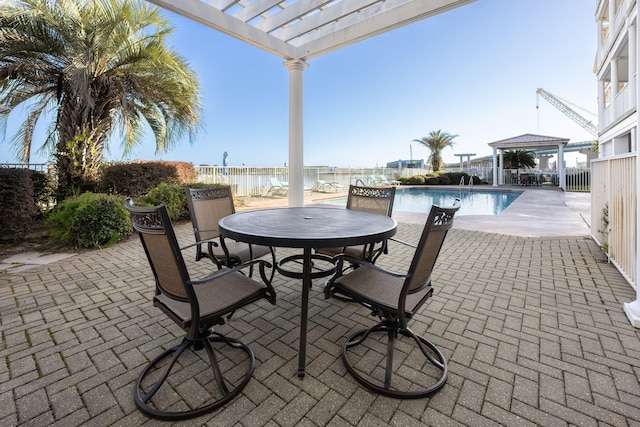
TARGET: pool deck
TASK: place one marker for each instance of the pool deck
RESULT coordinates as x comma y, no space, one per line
533,330
539,212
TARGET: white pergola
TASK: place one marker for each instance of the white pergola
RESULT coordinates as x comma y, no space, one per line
529,142
299,30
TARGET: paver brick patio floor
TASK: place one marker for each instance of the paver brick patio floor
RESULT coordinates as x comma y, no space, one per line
533,330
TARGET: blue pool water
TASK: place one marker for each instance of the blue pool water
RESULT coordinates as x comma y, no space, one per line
473,202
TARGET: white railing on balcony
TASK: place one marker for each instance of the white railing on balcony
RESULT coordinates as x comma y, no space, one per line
624,102
615,25
613,211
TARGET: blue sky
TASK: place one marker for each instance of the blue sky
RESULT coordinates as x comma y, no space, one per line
472,71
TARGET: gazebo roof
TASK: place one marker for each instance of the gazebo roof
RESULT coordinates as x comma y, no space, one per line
304,29
529,141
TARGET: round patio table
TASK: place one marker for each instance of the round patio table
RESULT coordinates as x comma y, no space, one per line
307,228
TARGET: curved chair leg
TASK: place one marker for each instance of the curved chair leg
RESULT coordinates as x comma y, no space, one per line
228,391
384,386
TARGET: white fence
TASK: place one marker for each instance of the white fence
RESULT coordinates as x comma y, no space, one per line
254,181
613,211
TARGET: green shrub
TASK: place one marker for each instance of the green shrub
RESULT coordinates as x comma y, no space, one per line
431,180
444,180
416,180
172,196
455,177
90,220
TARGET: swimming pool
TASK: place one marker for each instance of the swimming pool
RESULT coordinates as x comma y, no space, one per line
473,202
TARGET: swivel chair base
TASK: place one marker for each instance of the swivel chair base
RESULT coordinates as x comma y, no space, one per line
384,387
226,390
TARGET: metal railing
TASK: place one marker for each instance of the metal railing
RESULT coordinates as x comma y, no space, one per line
613,211
39,167
578,179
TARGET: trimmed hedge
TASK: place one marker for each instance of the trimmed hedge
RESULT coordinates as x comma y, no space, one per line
136,179
19,201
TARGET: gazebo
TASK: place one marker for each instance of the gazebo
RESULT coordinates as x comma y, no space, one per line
529,142
299,30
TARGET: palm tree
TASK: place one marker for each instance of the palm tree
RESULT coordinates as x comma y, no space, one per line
518,159
93,70
436,142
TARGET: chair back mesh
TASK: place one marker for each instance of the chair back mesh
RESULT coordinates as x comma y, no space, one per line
378,200
207,207
162,250
439,222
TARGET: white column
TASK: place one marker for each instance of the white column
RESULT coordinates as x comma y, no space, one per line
632,309
495,167
296,145
562,172
633,53
501,170
612,13
614,80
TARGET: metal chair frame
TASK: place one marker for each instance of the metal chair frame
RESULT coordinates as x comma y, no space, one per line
205,229
377,289
192,304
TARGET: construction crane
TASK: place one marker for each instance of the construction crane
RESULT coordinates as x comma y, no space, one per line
584,123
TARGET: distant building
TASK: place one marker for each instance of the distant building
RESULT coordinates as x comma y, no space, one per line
406,164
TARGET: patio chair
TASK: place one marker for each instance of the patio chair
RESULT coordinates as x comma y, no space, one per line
207,206
196,306
395,298
377,200
277,187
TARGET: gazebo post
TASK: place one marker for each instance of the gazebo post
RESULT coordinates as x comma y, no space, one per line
501,170
495,167
562,171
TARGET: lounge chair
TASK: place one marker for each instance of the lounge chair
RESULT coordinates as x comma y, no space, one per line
278,187
328,187
383,181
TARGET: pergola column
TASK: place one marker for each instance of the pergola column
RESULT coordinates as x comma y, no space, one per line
296,141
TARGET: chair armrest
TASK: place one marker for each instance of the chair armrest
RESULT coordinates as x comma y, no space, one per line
212,241
341,257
